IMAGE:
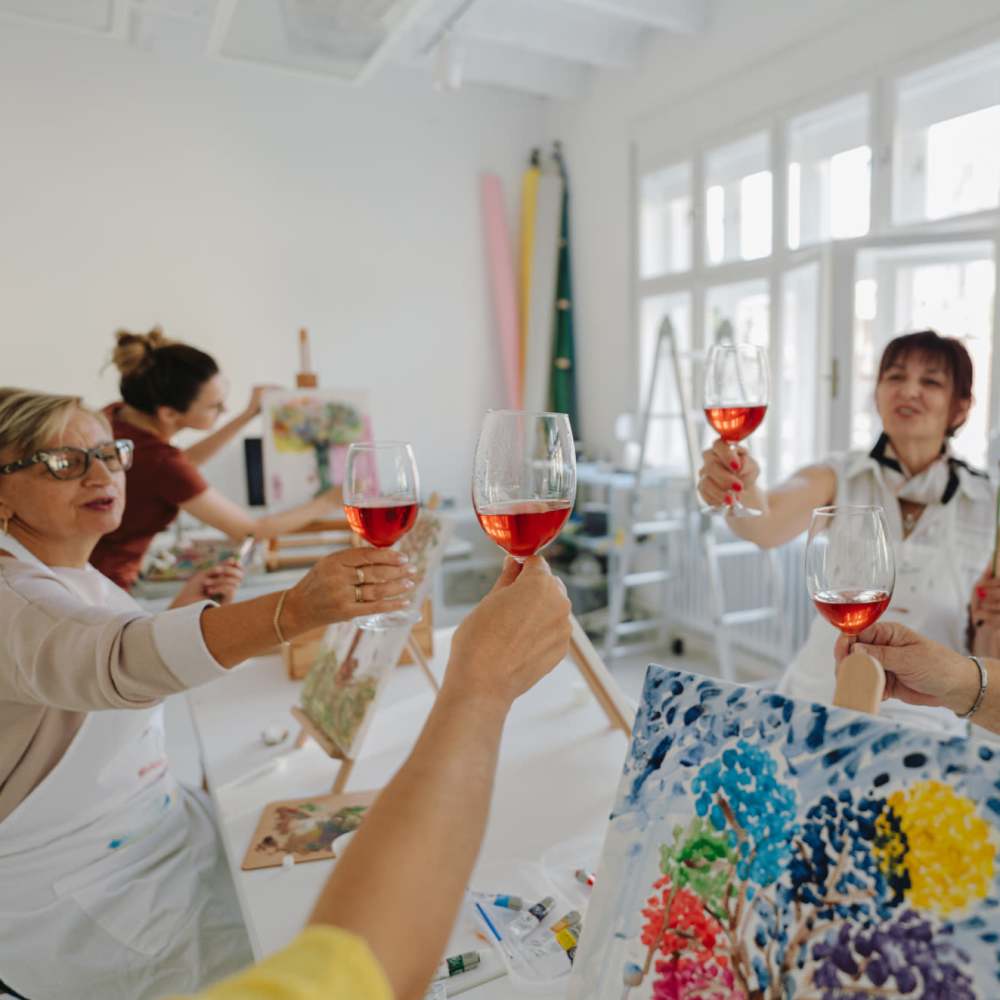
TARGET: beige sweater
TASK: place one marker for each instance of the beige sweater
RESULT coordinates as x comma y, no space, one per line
73,643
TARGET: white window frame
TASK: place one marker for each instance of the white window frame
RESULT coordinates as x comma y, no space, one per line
836,314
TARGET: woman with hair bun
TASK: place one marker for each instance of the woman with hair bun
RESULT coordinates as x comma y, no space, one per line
167,386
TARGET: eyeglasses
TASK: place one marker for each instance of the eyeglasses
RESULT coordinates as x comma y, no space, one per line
73,463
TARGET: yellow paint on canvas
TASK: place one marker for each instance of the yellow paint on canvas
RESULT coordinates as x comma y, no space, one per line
948,851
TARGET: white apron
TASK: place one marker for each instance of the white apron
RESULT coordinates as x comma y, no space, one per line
936,567
113,883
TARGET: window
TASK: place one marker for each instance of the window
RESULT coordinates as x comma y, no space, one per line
738,200
665,221
829,173
666,447
947,141
798,391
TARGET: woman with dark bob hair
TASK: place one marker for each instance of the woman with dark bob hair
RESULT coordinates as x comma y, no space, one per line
166,387
939,512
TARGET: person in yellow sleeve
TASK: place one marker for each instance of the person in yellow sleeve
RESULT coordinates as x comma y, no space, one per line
420,839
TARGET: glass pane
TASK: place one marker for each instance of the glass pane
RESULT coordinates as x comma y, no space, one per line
742,312
800,363
666,436
947,144
945,288
665,221
738,200
829,173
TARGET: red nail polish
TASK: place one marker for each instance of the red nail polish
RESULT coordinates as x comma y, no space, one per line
737,487
981,593
734,465
729,500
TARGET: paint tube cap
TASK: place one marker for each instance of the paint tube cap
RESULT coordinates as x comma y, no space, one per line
567,920
470,959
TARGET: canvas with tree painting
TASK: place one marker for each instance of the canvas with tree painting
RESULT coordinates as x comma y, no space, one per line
343,684
306,435
770,849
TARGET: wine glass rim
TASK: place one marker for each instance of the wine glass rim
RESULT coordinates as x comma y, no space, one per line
502,412
849,508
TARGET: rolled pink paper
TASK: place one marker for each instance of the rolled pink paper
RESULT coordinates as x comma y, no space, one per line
503,285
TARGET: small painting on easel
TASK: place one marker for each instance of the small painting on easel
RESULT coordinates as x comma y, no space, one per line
307,829
306,436
343,684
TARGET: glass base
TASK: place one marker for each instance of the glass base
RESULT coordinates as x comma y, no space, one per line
387,620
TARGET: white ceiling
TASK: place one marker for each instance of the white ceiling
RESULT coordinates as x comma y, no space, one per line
547,47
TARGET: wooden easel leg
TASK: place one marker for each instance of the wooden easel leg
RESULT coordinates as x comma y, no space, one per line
417,654
343,773
593,671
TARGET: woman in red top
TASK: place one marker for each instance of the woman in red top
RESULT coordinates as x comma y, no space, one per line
167,386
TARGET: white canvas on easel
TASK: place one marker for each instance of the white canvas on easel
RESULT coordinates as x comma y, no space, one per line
306,434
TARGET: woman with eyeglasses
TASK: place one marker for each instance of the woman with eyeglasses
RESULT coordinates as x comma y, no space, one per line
112,879
166,387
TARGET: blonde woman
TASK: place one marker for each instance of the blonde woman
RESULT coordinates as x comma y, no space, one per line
112,880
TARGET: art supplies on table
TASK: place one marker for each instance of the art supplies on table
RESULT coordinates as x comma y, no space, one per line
768,847
457,964
304,829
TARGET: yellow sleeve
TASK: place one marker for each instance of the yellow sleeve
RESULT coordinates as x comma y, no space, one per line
322,963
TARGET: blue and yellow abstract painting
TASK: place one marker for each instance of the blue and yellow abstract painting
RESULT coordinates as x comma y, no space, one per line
762,848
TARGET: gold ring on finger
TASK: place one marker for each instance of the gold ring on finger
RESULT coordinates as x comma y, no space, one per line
360,575
358,596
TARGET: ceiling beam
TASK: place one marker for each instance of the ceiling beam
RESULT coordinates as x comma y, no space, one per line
577,35
683,16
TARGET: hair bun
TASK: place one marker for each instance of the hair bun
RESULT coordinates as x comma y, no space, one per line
133,351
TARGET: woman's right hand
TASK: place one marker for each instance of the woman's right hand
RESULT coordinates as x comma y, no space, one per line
917,670
328,592
727,473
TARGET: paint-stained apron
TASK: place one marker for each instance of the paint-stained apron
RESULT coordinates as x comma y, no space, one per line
113,883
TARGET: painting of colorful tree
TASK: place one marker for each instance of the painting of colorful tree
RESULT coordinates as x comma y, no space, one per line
312,423
824,857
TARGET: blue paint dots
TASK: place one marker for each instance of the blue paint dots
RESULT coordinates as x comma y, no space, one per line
985,753
880,779
116,843
993,805
915,760
693,714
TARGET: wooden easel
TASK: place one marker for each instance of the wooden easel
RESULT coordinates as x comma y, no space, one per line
306,377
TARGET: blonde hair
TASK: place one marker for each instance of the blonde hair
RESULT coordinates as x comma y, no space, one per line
133,352
30,420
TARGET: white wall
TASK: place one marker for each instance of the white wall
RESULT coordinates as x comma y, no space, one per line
758,56
234,204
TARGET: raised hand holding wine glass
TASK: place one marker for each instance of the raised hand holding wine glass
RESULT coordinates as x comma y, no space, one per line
524,479
381,501
735,398
850,567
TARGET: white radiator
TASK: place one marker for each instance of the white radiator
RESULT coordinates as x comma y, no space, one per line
746,585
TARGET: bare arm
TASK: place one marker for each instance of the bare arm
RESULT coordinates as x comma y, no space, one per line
436,806
786,509
211,444
217,510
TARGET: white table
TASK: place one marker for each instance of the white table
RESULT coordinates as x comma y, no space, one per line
559,768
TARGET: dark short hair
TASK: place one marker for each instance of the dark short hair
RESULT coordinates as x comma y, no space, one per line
159,372
949,352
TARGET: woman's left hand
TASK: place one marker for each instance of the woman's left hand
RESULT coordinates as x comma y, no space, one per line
218,584
984,604
256,398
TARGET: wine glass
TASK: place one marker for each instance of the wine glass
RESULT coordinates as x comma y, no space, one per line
735,397
381,498
850,567
524,479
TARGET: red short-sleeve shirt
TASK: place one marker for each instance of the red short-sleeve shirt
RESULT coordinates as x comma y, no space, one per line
162,478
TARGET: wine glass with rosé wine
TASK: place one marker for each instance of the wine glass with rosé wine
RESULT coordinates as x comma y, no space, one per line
381,501
524,479
735,398
850,567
